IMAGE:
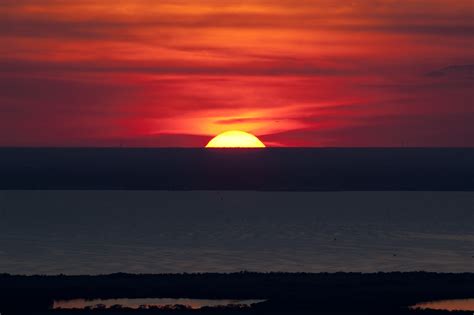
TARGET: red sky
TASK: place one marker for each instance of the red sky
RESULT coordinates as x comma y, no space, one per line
294,73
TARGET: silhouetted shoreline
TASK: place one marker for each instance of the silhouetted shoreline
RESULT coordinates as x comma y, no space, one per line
285,293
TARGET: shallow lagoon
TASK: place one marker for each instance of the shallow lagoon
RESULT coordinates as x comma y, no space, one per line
147,303
448,305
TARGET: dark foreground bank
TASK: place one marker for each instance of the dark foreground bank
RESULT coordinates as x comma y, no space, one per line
285,293
289,169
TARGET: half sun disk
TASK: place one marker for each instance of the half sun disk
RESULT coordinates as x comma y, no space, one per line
235,139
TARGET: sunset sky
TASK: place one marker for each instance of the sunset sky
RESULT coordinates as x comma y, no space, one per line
294,73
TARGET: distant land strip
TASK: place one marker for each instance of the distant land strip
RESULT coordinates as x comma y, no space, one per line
274,169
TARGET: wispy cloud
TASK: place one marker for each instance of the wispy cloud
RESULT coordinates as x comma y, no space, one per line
314,72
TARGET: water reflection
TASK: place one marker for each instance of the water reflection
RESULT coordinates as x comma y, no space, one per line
448,305
146,303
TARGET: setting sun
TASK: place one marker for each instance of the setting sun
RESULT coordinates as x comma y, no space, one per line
235,139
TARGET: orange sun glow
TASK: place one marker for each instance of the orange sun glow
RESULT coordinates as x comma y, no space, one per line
235,139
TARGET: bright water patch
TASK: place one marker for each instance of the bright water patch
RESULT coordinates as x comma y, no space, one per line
447,305
147,303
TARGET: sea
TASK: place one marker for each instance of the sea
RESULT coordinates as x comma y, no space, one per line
102,232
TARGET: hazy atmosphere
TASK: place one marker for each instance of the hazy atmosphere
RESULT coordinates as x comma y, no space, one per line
174,73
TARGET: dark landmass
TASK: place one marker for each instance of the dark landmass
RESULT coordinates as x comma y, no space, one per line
288,169
285,293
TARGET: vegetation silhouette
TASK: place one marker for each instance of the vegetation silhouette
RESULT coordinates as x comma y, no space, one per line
285,293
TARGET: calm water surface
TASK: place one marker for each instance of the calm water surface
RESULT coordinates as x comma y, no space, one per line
97,232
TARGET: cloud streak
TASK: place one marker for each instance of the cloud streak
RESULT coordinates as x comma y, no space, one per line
318,72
